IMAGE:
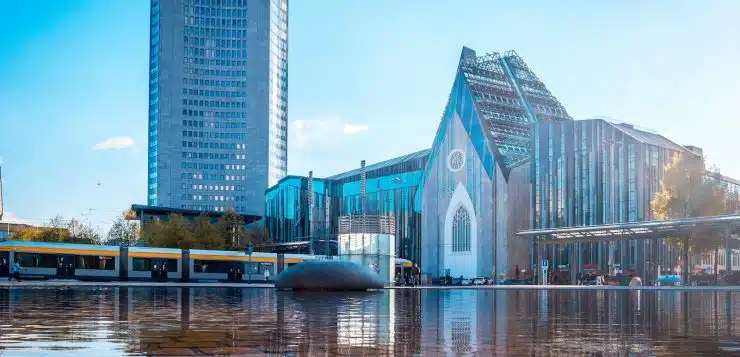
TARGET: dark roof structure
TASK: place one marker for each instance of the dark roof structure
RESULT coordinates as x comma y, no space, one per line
633,230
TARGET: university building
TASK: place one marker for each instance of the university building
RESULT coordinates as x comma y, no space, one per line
507,157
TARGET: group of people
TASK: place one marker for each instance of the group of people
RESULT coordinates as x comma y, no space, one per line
412,279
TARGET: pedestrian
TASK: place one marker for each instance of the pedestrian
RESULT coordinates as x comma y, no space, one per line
267,275
416,272
16,271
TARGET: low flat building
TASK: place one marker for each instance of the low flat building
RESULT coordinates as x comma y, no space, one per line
145,214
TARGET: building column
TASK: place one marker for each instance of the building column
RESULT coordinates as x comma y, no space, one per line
728,250
573,262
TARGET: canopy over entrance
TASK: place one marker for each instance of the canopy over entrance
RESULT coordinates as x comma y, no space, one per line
729,224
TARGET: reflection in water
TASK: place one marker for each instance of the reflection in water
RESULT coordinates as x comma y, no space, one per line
202,321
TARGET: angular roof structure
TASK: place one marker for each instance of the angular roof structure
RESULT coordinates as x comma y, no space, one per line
507,99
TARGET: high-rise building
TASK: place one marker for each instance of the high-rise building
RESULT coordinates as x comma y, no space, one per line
218,87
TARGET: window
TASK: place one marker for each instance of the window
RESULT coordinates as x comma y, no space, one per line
95,262
146,264
215,266
461,231
33,260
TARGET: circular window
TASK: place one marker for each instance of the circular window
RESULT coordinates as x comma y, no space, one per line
456,160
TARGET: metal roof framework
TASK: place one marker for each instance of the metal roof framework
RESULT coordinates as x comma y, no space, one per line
634,230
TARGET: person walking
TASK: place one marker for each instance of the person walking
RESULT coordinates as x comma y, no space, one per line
267,275
16,271
416,272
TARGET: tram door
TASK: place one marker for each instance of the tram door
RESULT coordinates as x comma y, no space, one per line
65,266
4,264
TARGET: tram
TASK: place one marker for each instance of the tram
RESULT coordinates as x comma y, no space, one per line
88,262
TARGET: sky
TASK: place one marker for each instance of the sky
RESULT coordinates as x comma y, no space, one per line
367,80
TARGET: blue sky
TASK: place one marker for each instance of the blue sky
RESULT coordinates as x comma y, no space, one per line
367,80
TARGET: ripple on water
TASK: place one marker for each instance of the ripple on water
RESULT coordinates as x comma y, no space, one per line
235,321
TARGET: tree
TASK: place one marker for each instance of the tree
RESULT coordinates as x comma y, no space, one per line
174,233
61,230
207,234
231,229
686,191
123,233
259,237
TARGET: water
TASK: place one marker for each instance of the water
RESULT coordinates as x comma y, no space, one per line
221,321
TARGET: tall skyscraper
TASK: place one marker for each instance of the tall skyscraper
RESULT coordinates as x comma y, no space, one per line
218,94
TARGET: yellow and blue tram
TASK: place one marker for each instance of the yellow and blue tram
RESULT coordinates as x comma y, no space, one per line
42,260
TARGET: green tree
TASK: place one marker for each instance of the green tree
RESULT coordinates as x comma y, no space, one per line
173,233
231,229
686,191
207,234
259,237
123,233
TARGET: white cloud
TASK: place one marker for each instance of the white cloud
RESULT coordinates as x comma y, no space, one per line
325,132
121,142
352,129
10,217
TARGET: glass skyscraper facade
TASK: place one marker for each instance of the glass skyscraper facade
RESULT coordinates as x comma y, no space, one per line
217,103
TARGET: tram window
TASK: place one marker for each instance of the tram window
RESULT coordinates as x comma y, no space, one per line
142,264
33,260
95,262
213,266
145,264
172,265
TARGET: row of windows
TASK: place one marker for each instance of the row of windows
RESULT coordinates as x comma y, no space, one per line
213,62
214,32
213,103
36,260
232,3
217,125
223,267
214,83
214,208
89,262
213,146
213,135
210,11
213,22
207,176
212,114
149,264
213,93
208,166
214,72
185,186
213,53
206,156
185,196
209,43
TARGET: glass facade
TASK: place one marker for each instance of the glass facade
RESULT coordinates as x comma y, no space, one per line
506,158
290,216
592,172
217,103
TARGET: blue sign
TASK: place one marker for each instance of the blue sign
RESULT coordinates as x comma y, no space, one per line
545,264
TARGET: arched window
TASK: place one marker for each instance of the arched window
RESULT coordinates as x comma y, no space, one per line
461,231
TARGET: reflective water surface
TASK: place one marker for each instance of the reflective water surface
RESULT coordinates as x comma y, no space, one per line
232,321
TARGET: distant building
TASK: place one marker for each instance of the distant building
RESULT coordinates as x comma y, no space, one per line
218,95
146,214
507,157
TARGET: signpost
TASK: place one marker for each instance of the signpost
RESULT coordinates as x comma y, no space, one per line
249,249
545,264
